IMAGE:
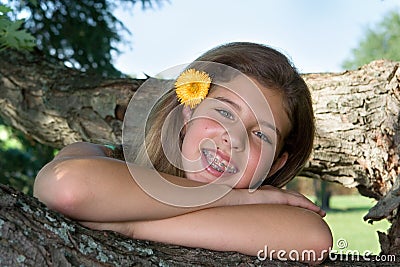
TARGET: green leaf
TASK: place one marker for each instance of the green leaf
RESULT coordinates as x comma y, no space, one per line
13,27
4,9
11,36
33,2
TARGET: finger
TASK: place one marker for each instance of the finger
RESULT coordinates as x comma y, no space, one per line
304,202
322,213
319,211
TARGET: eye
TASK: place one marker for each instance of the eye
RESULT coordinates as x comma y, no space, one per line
225,113
263,137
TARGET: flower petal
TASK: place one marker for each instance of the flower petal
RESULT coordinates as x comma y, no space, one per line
192,87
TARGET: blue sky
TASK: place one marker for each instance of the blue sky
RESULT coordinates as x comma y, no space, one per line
317,35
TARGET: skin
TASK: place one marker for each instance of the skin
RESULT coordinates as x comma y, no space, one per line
228,124
84,184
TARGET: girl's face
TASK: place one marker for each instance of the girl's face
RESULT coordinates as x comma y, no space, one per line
235,135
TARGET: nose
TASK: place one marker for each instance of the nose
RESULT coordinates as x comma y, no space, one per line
234,139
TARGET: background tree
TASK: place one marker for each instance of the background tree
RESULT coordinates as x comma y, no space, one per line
20,158
84,34
381,41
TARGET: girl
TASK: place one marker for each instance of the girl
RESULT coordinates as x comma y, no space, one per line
254,128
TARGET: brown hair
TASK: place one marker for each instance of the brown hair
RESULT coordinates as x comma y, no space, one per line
270,68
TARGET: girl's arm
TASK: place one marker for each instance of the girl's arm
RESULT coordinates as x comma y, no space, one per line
259,230
83,183
102,189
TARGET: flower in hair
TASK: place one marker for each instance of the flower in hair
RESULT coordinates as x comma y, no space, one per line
192,87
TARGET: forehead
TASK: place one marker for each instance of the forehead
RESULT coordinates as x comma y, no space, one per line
246,93
243,89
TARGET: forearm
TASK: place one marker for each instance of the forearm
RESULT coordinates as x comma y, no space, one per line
246,229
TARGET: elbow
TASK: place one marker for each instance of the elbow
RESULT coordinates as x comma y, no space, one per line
308,241
319,242
59,186
325,244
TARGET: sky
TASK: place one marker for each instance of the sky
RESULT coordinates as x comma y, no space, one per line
318,35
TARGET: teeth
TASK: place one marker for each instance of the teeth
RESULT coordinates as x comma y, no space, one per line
217,163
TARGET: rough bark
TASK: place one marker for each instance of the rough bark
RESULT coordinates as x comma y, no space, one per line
357,115
57,105
357,140
32,235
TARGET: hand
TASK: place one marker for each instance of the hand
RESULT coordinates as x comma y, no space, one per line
268,194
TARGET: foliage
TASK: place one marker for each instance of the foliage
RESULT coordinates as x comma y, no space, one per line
83,34
21,158
380,42
12,35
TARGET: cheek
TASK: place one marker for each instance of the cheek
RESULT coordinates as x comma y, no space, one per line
259,163
254,157
202,128
188,146
197,132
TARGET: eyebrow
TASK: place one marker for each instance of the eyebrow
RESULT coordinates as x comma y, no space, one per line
237,107
269,125
226,100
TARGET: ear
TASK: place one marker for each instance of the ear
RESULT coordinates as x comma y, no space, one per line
278,163
187,114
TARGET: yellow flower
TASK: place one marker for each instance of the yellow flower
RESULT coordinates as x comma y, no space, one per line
192,87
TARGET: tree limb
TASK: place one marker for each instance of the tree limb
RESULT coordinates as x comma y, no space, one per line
32,235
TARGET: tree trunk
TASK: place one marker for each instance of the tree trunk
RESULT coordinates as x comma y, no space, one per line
32,235
357,116
358,137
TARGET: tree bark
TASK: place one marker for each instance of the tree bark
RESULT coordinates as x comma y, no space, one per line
357,116
358,137
32,235
57,105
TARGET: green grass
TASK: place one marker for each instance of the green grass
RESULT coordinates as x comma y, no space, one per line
346,222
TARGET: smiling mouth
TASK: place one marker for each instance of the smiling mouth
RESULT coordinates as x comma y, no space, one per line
217,163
